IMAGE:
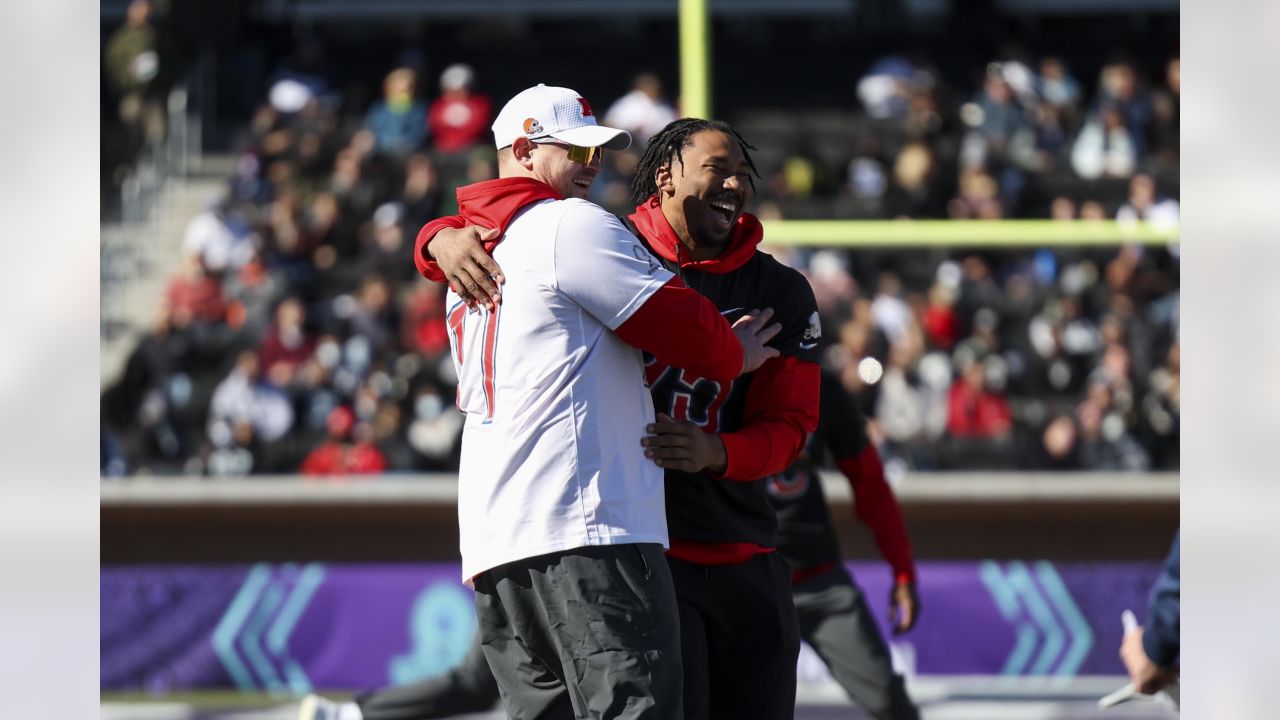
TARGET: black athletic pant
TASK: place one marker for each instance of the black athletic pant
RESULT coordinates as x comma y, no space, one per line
739,637
835,621
586,633
468,688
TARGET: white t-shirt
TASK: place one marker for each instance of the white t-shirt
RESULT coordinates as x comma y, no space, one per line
555,402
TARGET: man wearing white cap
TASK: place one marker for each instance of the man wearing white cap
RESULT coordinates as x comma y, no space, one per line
562,522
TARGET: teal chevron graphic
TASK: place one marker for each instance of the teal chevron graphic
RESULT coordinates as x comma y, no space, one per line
1044,617
266,608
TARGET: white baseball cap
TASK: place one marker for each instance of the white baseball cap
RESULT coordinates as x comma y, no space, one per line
554,112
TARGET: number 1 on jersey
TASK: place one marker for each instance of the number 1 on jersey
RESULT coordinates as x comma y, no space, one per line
457,322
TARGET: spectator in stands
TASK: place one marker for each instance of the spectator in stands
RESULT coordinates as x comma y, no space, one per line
1160,411
344,452
1145,204
889,311
459,119
421,193
1057,87
139,63
374,317
886,89
398,121
1003,116
194,295
435,431
244,397
643,111
1165,123
1105,146
974,408
287,344
939,322
1106,442
1119,89
220,236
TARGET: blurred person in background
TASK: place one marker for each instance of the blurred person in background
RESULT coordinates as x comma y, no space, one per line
643,112
244,397
832,609
1150,652
1166,114
347,450
287,344
1145,204
398,121
1106,443
459,118
979,419
1105,147
140,64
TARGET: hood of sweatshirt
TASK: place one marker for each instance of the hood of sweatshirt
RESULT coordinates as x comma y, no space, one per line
493,203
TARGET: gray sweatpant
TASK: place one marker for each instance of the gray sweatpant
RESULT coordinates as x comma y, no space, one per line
586,633
836,623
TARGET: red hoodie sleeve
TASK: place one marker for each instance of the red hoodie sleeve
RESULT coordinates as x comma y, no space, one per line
875,505
781,410
421,259
683,329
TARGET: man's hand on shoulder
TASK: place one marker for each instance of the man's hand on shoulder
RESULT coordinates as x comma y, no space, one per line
471,272
754,333
683,446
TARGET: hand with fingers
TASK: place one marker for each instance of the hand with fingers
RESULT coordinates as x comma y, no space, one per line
754,332
1147,677
471,272
904,606
683,446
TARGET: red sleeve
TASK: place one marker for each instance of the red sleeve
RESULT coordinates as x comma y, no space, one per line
875,505
426,266
781,410
683,329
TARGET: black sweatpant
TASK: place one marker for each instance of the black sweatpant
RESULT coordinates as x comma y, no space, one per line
739,637
835,621
586,633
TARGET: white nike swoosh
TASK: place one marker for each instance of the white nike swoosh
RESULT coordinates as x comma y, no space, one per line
808,346
726,312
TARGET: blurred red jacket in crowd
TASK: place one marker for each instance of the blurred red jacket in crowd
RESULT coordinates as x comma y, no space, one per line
458,121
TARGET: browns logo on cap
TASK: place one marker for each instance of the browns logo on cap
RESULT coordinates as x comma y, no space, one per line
532,127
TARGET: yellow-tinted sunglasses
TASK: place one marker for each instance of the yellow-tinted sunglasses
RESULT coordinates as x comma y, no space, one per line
577,153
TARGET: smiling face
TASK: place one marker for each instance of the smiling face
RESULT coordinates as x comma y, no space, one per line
703,196
550,163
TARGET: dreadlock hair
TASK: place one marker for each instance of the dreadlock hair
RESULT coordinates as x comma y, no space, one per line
669,144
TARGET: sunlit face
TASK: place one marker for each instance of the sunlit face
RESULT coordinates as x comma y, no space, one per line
708,190
552,165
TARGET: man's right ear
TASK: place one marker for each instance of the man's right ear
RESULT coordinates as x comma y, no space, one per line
664,180
522,152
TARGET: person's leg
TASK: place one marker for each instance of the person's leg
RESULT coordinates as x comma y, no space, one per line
835,621
598,624
468,688
616,629
753,640
691,595
514,646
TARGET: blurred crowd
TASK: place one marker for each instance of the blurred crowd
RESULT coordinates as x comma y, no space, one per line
1028,142
297,337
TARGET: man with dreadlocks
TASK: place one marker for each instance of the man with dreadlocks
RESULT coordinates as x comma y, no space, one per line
715,440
